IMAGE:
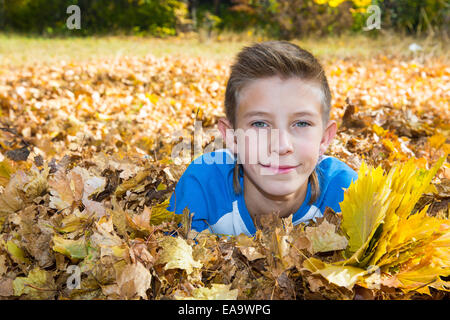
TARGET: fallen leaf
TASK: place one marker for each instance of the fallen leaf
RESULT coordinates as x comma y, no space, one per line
134,280
323,238
39,284
177,254
74,249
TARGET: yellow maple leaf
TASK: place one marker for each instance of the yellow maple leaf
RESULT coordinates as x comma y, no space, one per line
344,276
382,232
177,254
419,276
407,186
364,209
159,214
39,284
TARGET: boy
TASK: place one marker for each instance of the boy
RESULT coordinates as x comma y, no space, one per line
277,130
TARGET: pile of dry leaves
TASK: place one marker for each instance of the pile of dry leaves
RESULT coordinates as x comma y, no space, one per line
86,173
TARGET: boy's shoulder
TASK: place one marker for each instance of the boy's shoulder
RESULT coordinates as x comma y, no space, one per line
217,163
333,169
334,176
205,186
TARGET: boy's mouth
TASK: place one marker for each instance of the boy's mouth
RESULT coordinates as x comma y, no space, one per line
278,169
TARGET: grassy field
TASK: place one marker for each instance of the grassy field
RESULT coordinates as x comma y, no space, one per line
23,50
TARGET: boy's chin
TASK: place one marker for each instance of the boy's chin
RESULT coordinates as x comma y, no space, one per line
281,189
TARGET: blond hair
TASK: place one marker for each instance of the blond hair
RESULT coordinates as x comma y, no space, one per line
274,58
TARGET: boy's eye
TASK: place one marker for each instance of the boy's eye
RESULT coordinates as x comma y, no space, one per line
302,124
259,124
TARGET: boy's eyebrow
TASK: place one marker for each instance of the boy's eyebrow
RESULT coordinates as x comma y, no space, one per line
256,113
262,113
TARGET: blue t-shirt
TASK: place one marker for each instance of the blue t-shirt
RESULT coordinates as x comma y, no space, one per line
206,188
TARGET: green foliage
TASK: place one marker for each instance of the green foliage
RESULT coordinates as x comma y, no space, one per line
294,18
97,16
284,19
36,15
410,16
209,21
287,19
416,16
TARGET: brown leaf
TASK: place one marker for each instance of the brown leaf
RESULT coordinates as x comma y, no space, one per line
6,287
141,221
133,281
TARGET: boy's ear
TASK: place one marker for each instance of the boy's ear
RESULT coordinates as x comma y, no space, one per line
328,136
227,131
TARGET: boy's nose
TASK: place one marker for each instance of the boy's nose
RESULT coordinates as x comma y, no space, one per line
283,144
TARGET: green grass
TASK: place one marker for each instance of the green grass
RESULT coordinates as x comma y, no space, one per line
24,50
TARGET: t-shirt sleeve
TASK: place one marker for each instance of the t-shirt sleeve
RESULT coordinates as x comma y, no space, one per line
335,191
190,193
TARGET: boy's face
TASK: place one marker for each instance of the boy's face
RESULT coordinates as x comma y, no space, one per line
289,133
